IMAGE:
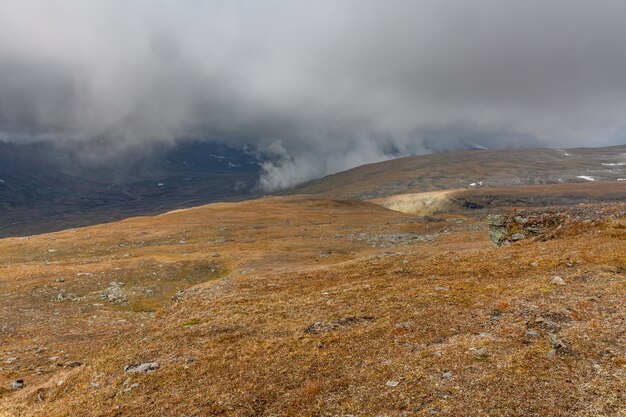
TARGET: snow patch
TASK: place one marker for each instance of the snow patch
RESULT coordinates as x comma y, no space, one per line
585,177
613,164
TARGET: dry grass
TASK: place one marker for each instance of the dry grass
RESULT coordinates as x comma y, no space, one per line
463,328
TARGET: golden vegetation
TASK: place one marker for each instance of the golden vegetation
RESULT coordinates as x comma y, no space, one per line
304,306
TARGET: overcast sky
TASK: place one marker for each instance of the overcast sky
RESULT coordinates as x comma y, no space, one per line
329,84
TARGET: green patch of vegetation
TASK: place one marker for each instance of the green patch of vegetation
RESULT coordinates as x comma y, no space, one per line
145,305
191,322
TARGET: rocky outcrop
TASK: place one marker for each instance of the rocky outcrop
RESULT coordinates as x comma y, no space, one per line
504,229
538,223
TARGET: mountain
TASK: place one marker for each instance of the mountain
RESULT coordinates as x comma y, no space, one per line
45,188
472,170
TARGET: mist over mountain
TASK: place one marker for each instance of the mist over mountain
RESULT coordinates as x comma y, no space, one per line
324,85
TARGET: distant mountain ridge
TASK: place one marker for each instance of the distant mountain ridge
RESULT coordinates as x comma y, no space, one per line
44,187
472,169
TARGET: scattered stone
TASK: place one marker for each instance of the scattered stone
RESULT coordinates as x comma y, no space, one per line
178,295
52,250
534,264
479,353
115,293
17,384
391,240
324,254
142,368
215,255
84,274
484,334
10,360
441,289
320,326
447,375
60,280
557,280
531,333
392,384
556,343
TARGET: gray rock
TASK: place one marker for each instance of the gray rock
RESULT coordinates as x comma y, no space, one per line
391,383
17,384
557,280
142,368
447,375
497,228
324,254
517,236
115,293
60,279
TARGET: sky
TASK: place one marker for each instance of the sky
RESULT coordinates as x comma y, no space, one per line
323,85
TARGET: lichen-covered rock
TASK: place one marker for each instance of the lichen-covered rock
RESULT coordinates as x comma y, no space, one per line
497,228
504,229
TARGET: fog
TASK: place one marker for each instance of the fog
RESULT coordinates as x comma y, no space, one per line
322,85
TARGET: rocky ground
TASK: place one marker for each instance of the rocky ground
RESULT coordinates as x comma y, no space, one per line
307,306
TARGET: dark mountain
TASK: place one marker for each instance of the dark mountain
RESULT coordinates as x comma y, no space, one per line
44,187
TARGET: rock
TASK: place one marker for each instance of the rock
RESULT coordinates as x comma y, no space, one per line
517,236
557,280
441,289
497,228
10,360
556,342
114,293
479,353
531,333
52,250
320,326
324,254
391,383
521,220
534,264
179,294
17,384
215,255
142,368
60,280
447,375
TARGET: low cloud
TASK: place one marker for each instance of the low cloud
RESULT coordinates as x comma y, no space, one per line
324,85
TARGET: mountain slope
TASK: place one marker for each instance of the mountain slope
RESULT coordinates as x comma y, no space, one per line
472,169
307,306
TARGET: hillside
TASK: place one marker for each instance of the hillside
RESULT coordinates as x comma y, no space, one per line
472,169
45,188
308,306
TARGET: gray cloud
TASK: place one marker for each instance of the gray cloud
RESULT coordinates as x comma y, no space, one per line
326,84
